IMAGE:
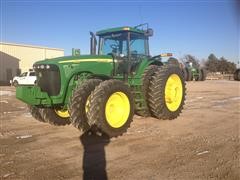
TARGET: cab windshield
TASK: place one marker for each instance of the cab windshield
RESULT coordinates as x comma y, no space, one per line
117,43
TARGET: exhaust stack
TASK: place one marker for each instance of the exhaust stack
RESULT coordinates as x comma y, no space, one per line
93,44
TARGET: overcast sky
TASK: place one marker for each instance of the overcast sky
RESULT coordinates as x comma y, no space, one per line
181,27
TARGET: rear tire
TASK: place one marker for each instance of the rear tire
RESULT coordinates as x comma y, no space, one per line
189,74
185,73
165,105
111,108
49,115
204,74
36,113
77,105
146,78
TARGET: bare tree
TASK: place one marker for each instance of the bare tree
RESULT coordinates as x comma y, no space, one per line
190,59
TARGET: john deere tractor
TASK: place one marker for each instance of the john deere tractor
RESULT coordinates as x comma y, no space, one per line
101,92
192,72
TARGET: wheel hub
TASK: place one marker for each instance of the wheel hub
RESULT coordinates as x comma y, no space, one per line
173,92
117,109
62,113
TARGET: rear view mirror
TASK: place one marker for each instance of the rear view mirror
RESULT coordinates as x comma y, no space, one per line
148,32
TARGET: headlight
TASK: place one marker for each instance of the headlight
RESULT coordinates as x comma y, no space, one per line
42,66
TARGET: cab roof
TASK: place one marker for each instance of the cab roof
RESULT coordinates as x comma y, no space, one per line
119,29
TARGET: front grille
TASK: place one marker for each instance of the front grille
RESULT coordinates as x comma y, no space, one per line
49,80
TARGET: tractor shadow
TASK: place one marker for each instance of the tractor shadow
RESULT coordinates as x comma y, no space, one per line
94,160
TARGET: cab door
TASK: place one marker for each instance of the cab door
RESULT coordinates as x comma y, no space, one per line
138,50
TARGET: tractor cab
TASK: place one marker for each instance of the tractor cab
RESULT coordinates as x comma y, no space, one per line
127,45
124,42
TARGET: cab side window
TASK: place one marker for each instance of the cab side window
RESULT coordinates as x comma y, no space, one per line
138,44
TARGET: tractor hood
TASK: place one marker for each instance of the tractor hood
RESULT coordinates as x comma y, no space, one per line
76,59
59,75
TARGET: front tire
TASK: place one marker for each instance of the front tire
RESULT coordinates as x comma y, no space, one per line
111,108
36,113
78,104
56,116
167,93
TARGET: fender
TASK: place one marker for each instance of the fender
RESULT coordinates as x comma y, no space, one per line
79,78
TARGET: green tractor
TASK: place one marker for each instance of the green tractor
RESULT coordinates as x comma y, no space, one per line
102,91
193,72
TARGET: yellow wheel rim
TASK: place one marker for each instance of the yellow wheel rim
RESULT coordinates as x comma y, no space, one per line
173,92
62,113
117,109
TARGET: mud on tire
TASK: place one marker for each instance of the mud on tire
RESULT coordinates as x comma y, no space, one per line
157,100
100,102
77,105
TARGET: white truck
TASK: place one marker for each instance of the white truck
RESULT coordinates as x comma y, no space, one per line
26,78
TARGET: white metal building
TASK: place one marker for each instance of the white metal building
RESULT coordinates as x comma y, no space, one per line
17,58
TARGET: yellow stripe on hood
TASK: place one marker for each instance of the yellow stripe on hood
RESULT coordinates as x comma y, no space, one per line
86,60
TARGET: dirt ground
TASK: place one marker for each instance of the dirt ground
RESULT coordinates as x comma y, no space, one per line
203,143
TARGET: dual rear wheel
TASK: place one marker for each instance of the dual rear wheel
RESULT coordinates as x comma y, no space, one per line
111,108
167,93
102,106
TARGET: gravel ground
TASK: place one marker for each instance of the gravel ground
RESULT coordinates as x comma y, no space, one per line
203,143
